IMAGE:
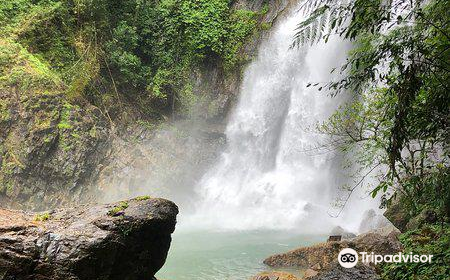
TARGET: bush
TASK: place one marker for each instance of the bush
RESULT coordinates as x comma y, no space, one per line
142,49
431,240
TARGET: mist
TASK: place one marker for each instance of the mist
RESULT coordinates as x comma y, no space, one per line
262,173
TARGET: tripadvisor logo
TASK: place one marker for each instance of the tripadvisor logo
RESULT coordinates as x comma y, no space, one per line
348,258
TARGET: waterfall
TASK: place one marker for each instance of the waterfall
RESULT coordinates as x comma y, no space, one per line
265,178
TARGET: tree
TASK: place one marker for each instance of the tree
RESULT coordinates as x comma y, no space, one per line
398,72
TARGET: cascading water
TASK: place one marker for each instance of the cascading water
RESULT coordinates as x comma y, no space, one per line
266,194
264,178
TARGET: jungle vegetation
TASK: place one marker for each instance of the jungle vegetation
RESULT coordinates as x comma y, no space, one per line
108,52
398,74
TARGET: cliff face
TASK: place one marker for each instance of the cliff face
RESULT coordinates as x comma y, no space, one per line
126,240
57,149
50,150
176,154
222,87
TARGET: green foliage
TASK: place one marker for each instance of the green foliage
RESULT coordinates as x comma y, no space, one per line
433,240
242,24
4,110
161,84
398,73
155,51
64,122
143,50
177,35
204,25
115,211
122,55
143,197
327,17
188,100
42,217
18,67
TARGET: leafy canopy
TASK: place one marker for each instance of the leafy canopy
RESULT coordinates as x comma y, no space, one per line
141,50
398,72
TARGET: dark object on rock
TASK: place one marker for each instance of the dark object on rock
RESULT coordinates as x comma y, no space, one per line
324,254
337,272
345,234
85,243
334,238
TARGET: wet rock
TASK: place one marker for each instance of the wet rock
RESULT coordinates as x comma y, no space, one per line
310,273
275,275
427,216
324,254
337,272
339,231
173,155
50,150
87,242
371,221
396,213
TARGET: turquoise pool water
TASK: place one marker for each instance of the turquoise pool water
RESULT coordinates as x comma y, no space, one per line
208,255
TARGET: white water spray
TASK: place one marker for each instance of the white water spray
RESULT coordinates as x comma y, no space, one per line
265,179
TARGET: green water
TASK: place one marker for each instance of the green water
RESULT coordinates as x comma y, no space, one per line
227,255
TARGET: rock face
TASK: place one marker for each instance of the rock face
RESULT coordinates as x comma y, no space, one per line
324,254
371,221
56,151
127,240
336,272
396,213
50,150
174,157
426,216
339,231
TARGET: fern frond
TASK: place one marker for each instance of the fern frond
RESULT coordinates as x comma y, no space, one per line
309,6
303,30
315,32
323,22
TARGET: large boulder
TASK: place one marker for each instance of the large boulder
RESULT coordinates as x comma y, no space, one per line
343,233
337,272
396,213
126,240
372,221
427,216
324,254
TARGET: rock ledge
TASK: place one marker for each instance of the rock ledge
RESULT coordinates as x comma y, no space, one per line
126,240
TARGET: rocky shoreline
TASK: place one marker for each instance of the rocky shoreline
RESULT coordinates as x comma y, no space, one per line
319,261
125,240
